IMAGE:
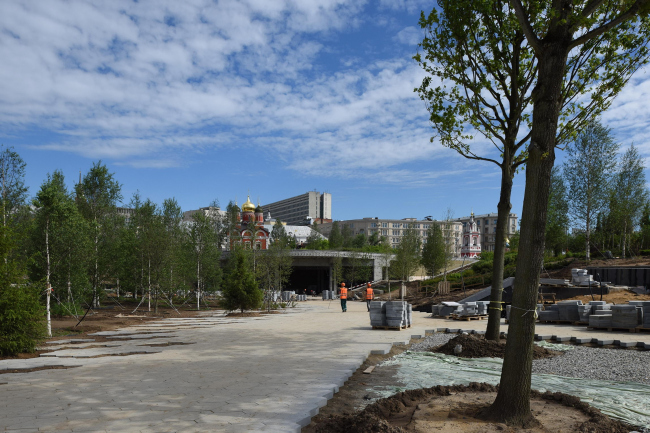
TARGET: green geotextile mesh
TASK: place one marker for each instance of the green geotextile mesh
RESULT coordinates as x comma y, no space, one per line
626,401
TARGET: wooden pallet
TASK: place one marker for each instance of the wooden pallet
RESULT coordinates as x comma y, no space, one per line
633,330
562,322
393,328
468,318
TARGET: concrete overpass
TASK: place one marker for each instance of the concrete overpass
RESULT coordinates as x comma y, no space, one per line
312,269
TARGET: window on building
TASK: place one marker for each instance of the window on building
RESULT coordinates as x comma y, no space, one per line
395,232
478,222
384,232
495,221
373,224
384,225
486,229
495,230
351,225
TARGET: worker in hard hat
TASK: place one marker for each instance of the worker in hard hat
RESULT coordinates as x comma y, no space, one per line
369,295
343,291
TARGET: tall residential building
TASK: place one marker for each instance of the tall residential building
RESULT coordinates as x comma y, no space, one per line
486,224
302,209
207,211
393,229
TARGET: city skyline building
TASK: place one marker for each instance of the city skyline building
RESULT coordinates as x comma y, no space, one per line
486,224
393,229
303,209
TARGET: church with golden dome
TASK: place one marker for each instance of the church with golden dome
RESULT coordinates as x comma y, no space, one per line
250,231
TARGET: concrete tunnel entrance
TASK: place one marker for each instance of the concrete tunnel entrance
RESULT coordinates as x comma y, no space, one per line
309,278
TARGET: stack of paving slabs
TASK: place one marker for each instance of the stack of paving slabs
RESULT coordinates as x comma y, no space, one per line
397,314
645,311
328,294
286,295
568,311
624,316
551,313
601,315
446,308
377,313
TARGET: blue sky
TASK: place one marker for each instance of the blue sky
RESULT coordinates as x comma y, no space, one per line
203,100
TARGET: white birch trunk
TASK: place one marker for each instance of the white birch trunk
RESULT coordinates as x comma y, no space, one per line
48,290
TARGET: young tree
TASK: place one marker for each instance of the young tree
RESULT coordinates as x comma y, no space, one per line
434,251
275,264
97,197
204,247
476,84
589,166
336,238
557,223
629,195
59,236
407,254
240,290
12,185
22,323
346,236
586,51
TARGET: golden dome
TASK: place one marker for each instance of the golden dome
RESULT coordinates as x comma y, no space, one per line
248,206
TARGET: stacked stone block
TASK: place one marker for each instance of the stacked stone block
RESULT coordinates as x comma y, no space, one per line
377,313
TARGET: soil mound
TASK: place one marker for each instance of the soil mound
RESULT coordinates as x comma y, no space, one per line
396,414
476,346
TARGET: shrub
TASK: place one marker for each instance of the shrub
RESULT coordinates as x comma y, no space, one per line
65,309
22,320
645,252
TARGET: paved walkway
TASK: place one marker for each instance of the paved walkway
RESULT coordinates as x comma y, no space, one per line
237,375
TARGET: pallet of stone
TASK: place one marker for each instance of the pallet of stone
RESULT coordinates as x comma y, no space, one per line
468,318
626,316
610,329
393,328
561,322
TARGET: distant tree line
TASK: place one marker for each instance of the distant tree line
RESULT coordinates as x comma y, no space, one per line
598,199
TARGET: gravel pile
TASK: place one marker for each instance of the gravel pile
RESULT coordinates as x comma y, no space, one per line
626,365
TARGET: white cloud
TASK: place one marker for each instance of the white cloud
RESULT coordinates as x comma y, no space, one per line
410,36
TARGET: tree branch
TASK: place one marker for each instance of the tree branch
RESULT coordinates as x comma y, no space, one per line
525,26
627,15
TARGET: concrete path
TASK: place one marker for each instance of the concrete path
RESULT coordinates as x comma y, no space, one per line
218,374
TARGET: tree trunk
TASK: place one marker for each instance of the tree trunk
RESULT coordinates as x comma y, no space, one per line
198,285
149,285
48,288
588,238
512,404
494,320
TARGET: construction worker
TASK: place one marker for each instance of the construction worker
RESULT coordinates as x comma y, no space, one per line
344,297
369,295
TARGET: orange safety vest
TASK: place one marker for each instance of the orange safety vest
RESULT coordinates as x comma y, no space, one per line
369,295
344,293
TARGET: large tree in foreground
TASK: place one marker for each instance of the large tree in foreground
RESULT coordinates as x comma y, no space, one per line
482,70
589,167
479,82
582,47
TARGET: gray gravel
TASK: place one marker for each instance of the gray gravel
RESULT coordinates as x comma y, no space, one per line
626,365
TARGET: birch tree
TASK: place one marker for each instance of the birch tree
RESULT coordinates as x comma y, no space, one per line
97,196
589,167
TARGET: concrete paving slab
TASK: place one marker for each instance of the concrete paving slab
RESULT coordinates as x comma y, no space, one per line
245,375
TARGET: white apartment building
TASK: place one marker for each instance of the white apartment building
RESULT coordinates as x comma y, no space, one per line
302,209
393,229
487,226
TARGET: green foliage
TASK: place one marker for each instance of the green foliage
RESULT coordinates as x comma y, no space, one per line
12,186
240,290
434,250
557,220
22,318
407,254
336,238
63,309
22,323
590,163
